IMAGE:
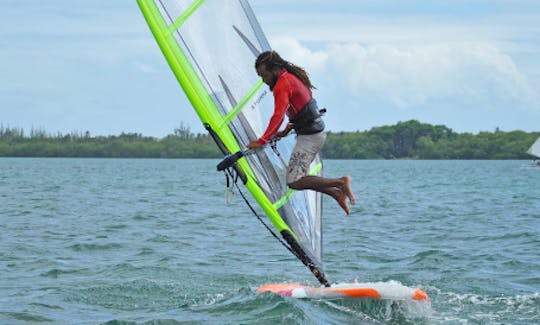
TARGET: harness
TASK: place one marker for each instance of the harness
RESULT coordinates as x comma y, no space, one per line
308,120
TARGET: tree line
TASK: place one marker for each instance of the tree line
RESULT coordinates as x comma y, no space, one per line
404,140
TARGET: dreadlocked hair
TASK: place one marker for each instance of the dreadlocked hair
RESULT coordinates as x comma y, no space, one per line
271,60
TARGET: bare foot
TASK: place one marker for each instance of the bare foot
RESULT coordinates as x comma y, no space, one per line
341,199
346,188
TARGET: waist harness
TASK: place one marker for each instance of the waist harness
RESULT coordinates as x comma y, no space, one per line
308,120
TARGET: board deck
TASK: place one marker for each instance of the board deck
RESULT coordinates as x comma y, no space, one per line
379,290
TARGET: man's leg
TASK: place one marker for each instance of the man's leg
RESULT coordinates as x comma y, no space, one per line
317,183
333,187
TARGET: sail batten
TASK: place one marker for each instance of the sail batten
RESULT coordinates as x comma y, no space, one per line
211,47
242,104
184,16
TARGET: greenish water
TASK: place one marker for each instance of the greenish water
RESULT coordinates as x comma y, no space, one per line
134,241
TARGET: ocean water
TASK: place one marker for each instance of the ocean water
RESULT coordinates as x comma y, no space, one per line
149,241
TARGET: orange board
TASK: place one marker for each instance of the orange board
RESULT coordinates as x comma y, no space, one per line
380,290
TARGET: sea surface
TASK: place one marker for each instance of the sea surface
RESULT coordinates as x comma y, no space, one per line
153,241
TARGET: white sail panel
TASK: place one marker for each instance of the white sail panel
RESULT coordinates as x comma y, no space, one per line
534,150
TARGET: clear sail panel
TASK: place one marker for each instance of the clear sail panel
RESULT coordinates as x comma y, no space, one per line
222,39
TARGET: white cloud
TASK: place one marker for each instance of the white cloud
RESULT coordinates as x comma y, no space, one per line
468,74
301,55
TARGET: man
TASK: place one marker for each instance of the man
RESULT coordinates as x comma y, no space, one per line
291,87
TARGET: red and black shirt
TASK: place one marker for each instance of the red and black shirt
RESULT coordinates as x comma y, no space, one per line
290,96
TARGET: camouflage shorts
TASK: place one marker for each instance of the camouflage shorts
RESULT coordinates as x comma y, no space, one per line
305,150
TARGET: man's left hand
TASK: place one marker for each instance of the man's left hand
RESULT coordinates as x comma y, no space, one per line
254,145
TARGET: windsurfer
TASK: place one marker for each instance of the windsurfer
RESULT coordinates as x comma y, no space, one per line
291,87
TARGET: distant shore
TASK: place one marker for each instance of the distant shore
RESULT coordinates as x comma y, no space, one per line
404,140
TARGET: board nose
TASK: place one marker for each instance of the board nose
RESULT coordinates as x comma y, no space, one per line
420,295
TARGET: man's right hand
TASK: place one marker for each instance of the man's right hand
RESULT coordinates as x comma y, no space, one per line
282,134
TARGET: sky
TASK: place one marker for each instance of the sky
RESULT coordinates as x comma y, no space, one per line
471,65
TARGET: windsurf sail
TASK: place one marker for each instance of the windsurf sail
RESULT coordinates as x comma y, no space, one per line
534,150
211,47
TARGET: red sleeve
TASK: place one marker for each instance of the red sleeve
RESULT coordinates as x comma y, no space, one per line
281,103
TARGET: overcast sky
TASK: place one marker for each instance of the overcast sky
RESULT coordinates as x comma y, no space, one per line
472,65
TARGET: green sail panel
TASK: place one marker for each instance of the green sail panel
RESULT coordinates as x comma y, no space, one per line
211,47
